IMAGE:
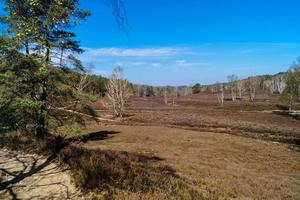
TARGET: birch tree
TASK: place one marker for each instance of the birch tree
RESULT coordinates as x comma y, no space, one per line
118,92
166,95
252,86
232,79
240,88
220,93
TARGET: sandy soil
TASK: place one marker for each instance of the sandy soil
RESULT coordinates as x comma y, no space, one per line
221,165
28,176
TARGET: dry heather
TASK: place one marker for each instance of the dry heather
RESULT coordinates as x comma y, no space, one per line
104,174
217,165
202,112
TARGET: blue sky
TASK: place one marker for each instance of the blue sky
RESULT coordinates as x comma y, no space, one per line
178,42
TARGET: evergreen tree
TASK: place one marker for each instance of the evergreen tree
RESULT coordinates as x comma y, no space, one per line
41,25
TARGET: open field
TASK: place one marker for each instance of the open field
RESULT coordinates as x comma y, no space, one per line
218,149
202,112
219,165
195,149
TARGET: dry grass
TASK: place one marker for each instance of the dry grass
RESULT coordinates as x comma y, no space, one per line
156,162
202,112
104,174
111,173
218,165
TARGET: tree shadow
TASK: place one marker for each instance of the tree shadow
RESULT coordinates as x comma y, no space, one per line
22,167
96,170
104,169
100,135
31,165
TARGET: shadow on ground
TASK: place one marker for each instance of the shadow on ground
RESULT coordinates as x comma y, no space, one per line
28,176
100,135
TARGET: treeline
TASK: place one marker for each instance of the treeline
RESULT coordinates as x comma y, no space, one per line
272,84
286,84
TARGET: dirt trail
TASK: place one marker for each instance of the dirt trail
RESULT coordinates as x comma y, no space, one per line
29,176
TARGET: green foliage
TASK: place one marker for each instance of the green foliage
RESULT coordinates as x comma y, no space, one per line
34,94
96,85
19,82
71,130
196,88
291,93
149,91
21,93
48,22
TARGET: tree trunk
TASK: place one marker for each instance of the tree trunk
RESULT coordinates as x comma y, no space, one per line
42,126
61,57
42,129
27,48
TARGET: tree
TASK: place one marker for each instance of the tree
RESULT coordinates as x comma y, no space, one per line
149,91
252,86
174,95
40,28
117,92
21,89
166,95
196,88
220,93
232,80
45,30
240,88
291,93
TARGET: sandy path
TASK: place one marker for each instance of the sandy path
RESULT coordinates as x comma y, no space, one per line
28,176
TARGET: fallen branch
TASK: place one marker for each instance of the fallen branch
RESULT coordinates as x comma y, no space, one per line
82,114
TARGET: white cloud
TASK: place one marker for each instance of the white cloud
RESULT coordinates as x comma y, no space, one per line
132,52
187,63
156,65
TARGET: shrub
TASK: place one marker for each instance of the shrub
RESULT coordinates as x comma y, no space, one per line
112,172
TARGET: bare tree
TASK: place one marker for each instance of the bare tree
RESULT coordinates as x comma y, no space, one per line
166,95
279,83
84,80
252,86
187,91
220,93
232,83
240,88
118,92
174,95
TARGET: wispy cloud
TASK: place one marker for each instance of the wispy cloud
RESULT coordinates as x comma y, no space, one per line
186,63
133,52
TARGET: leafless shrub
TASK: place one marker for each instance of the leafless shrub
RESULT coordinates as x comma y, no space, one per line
118,92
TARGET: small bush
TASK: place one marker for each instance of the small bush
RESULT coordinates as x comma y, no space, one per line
72,131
